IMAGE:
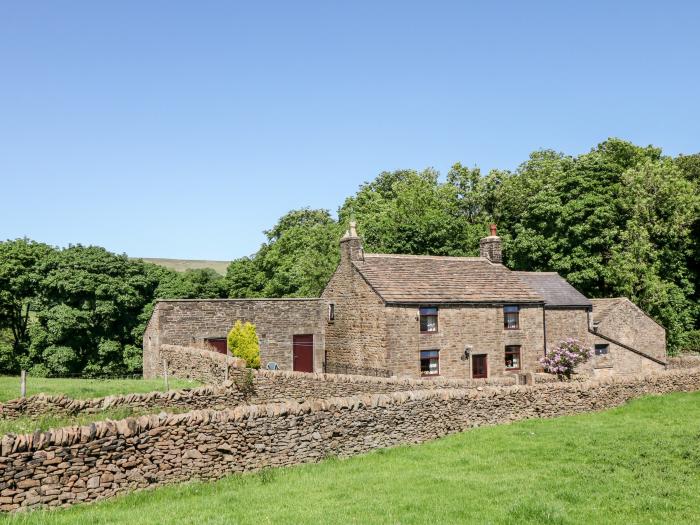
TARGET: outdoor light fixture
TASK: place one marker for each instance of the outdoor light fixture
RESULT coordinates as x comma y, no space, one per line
467,351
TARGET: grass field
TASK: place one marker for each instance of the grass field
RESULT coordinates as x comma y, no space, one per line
85,388
636,464
181,265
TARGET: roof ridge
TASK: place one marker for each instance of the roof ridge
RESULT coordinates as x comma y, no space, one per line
537,272
440,257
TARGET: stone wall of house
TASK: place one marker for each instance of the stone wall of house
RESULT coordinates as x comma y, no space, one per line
77,464
619,361
188,322
629,325
479,328
563,323
356,338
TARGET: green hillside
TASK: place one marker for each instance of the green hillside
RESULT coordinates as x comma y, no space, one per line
181,265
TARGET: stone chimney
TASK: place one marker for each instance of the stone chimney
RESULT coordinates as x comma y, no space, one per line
351,246
490,247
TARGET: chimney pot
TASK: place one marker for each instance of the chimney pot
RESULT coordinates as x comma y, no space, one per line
351,245
490,247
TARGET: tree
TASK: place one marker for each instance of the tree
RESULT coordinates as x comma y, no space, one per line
650,263
243,342
20,275
615,221
410,212
91,302
297,260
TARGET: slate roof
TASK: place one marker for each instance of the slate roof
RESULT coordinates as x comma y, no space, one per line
437,280
554,288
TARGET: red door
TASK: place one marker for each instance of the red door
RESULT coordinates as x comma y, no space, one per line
479,367
303,350
218,344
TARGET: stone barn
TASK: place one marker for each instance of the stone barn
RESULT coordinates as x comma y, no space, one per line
290,331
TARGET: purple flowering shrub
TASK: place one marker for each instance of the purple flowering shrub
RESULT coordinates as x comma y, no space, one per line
566,357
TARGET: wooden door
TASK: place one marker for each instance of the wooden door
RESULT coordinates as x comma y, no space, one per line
479,366
218,344
303,350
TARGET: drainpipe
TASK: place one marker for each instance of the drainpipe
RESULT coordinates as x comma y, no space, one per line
544,328
588,319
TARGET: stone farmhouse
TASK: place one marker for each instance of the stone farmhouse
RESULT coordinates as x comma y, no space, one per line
421,316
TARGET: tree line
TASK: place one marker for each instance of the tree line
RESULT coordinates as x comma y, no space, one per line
82,310
620,220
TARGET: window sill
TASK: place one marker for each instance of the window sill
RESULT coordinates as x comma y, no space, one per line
512,329
428,376
512,369
429,333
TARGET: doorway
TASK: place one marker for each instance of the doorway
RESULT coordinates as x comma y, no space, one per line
303,352
218,344
480,366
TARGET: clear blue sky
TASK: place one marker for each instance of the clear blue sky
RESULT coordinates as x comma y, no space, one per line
183,129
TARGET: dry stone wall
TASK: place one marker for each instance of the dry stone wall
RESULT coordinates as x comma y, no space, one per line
69,465
684,361
189,399
199,364
208,366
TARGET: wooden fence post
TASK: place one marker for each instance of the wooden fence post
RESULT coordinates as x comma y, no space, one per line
165,374
23,383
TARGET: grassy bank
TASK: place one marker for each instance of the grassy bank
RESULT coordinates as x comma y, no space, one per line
636,464
85,388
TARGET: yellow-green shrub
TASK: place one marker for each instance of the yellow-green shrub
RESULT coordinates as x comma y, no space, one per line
243,343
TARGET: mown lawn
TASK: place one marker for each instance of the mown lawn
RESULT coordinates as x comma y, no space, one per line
85,388
636,464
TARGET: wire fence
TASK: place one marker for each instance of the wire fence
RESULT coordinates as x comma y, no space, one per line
28,384
83,375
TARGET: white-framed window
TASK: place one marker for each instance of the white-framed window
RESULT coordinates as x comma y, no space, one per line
512,357
428,319
511,317
430,362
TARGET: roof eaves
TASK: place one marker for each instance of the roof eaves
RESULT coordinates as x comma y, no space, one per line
464,302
